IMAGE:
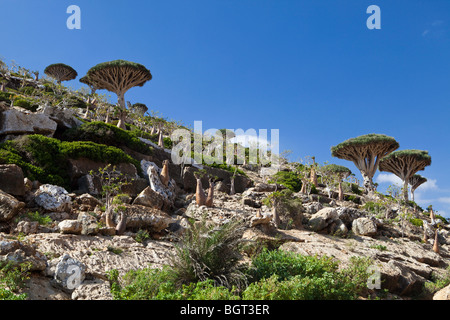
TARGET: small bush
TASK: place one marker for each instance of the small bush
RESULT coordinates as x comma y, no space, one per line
26,104
210,252
12,280
416,222
286,264
288,179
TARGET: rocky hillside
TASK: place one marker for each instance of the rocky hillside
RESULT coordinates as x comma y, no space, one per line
76,191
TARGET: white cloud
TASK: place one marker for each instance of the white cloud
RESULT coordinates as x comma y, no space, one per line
444,200
431,184
388,178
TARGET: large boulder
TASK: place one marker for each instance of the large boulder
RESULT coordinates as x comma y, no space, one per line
53,198
364,227
17,121
149,198
167,193
141,217
17,252
9,206
12,179
322,219
64,117
69,273
443,294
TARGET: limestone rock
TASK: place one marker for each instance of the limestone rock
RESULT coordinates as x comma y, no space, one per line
443,294
20,122
16,252
87,202
141,217
12,180
9,206
364,227
70,226
149,198
88,224
322,219
53,198
27,227
96,289
69,272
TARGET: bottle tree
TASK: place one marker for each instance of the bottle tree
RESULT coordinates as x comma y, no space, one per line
119,76
405,164
366,152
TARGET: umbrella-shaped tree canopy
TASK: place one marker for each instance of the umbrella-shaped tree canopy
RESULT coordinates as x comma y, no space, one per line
139,108
365,152
60,72
404,164
119,76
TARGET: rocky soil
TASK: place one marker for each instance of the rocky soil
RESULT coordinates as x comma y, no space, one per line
77,231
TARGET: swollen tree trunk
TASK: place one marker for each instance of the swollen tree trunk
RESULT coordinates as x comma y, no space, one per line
200,196
436,242
121,226
210,198
368,183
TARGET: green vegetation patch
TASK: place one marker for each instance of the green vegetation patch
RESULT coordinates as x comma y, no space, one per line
107,134
46,159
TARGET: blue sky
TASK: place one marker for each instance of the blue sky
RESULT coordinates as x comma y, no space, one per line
311,69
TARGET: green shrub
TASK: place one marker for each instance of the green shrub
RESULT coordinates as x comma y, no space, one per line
288,179
283,275
145,284
12,280
287,264
107,134
205,290
416,222
374,207
41,219
26,104
46,159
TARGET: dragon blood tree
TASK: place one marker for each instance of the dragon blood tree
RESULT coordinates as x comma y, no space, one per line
119,76
404,164
60,72
365,152
340,173
91,85
416,181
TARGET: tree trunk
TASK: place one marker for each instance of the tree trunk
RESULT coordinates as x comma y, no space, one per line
160,140
210,198
122,112
341,191
122,225
275,215
436,242
368,183
200,196
87,112
232,190
405,190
